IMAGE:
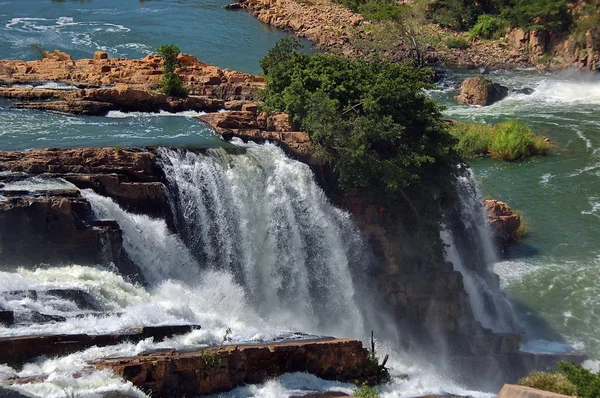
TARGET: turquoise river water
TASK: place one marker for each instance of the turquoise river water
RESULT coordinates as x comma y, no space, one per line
552,277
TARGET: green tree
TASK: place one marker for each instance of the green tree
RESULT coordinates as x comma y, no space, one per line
370,120
171,84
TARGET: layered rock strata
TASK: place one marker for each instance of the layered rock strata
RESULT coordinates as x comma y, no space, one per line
219,369
16,351
97,86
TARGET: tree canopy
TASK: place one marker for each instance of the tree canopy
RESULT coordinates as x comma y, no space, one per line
371,120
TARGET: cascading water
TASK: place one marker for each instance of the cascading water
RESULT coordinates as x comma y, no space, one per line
470,248
262,217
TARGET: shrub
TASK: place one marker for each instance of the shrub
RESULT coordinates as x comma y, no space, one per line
458,42
547,15
549,381
586,382
511,140
171,84
371,120
488,27
587,21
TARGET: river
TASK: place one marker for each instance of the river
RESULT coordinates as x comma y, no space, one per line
552,277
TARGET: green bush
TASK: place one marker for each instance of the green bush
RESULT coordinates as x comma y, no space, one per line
458,42
546,15
366,391
171,84
488,27
370,120
587,383
510,140
549,381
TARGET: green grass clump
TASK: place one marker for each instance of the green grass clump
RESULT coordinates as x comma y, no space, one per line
549,381
458,42
510,140
513,140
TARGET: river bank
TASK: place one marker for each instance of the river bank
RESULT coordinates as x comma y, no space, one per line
336,29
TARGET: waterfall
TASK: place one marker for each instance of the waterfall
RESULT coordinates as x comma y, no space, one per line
470,248
261,218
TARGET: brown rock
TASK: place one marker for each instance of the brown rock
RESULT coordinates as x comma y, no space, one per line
57,55
504,222
89,108
98,55
250,107
514,391
481,91
220,369
135,165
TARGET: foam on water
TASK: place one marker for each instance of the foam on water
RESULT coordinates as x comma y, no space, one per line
122,115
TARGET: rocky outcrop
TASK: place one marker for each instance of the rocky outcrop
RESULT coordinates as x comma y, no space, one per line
22,349
131,177
142,74
481,91
132,84
505,223
275,127
514,391
54,227
99,101
218,369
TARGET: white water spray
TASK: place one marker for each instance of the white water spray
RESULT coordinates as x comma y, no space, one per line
262,217
489,305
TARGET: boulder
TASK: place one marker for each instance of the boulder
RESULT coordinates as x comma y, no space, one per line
505,223
481,91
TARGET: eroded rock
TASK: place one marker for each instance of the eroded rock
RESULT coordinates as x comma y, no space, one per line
505,223
220,369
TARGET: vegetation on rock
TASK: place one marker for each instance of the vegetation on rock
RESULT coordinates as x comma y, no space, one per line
510,140
171,84
549,381
458,42
573,380
489,27
370,120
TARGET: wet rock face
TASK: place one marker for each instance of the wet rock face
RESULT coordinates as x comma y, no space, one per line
130,177
51,229
481,91
220,369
